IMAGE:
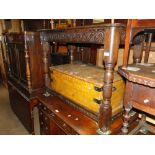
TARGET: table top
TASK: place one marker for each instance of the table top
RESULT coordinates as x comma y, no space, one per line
142,73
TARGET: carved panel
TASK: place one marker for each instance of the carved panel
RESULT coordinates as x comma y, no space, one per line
92,34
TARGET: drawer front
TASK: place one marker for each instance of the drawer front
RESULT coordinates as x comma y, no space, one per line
47,125
44,108
144,95
65,127
52,122
44,123
44,117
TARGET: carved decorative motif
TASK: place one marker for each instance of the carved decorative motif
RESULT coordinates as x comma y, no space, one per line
136,79
93,35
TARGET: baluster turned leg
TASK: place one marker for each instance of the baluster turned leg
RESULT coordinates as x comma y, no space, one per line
46,52
138,52
126,119
147,49
71,51
127,106
111,45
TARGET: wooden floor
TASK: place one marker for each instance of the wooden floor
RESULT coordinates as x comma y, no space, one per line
9,123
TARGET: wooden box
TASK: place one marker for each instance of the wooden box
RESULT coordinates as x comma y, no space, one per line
83,85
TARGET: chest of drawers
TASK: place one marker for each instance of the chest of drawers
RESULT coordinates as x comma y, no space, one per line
58,118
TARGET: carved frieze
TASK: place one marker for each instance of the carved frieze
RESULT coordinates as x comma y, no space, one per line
93,35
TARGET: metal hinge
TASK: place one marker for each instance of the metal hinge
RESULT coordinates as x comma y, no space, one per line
101,88
98,89
98,101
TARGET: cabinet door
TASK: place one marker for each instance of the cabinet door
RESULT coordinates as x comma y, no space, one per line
22,64
13,58
17,61
21,107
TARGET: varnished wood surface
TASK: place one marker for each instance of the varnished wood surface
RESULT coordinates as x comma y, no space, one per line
25,74
80,123
145,75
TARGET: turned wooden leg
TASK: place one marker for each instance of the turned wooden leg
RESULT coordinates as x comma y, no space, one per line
111,45
46,52
127,106
147,49
138,52
126,119
71,50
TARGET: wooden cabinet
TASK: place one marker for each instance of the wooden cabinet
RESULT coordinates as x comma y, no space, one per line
25,74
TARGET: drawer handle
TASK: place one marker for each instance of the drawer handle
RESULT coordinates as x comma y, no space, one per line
45,118
39,104
42,123
46,128
41,113
45,108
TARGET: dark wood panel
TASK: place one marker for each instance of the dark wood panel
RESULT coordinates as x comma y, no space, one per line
22,63
35,24
35,59
21,107
13,60
25,76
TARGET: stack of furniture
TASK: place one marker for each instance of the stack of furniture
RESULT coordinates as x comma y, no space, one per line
140,77
25,74
109,35
31,81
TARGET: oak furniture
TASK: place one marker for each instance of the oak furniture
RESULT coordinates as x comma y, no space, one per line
57,117
25,74
140,83
109,35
